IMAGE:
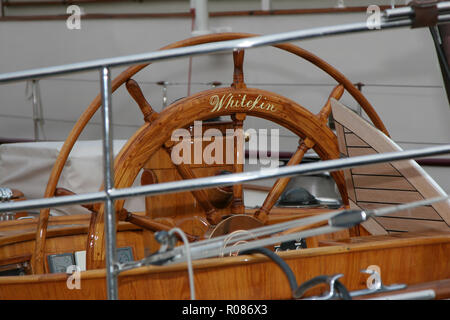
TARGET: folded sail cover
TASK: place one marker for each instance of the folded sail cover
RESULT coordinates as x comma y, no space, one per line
27,166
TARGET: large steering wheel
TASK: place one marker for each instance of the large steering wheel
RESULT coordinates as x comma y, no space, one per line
157,129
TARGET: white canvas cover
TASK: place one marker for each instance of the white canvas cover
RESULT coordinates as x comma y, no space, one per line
27,166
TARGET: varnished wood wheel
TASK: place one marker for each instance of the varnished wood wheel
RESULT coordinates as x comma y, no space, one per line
157,130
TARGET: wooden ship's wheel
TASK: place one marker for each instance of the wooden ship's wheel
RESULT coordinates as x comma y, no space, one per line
149,149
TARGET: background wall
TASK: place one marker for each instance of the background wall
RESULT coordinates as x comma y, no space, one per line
398,67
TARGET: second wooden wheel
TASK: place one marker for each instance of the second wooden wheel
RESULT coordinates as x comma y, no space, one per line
236,101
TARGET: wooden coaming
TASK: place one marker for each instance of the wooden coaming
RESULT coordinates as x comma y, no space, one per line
67,235
402,259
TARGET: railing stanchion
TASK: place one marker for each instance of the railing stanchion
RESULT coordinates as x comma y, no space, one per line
108,175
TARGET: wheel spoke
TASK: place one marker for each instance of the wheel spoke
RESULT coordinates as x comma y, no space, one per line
325,112
237,206
280,185
201,195
136,93
59,192
148,223
238,74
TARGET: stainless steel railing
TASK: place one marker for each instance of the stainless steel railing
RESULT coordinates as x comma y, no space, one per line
402,18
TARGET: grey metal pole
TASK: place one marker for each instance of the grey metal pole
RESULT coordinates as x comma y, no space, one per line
221,46
286,171
108,171
216,47
206,48
408,12
35,109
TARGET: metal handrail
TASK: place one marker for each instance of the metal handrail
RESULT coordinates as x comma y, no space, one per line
223,180
402,19
207,48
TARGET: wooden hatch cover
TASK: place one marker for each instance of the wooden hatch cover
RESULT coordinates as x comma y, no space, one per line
384,184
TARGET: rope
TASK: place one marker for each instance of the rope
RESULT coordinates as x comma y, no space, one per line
188,258
405,206
231,235
214,247
316,231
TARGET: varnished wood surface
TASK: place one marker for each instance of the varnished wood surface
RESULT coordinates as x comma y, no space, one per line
401,260
280,184
201,196
160,168
208,200
304,145
136,93
20,225
237,205
67,240
384,238
374,186
184,204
